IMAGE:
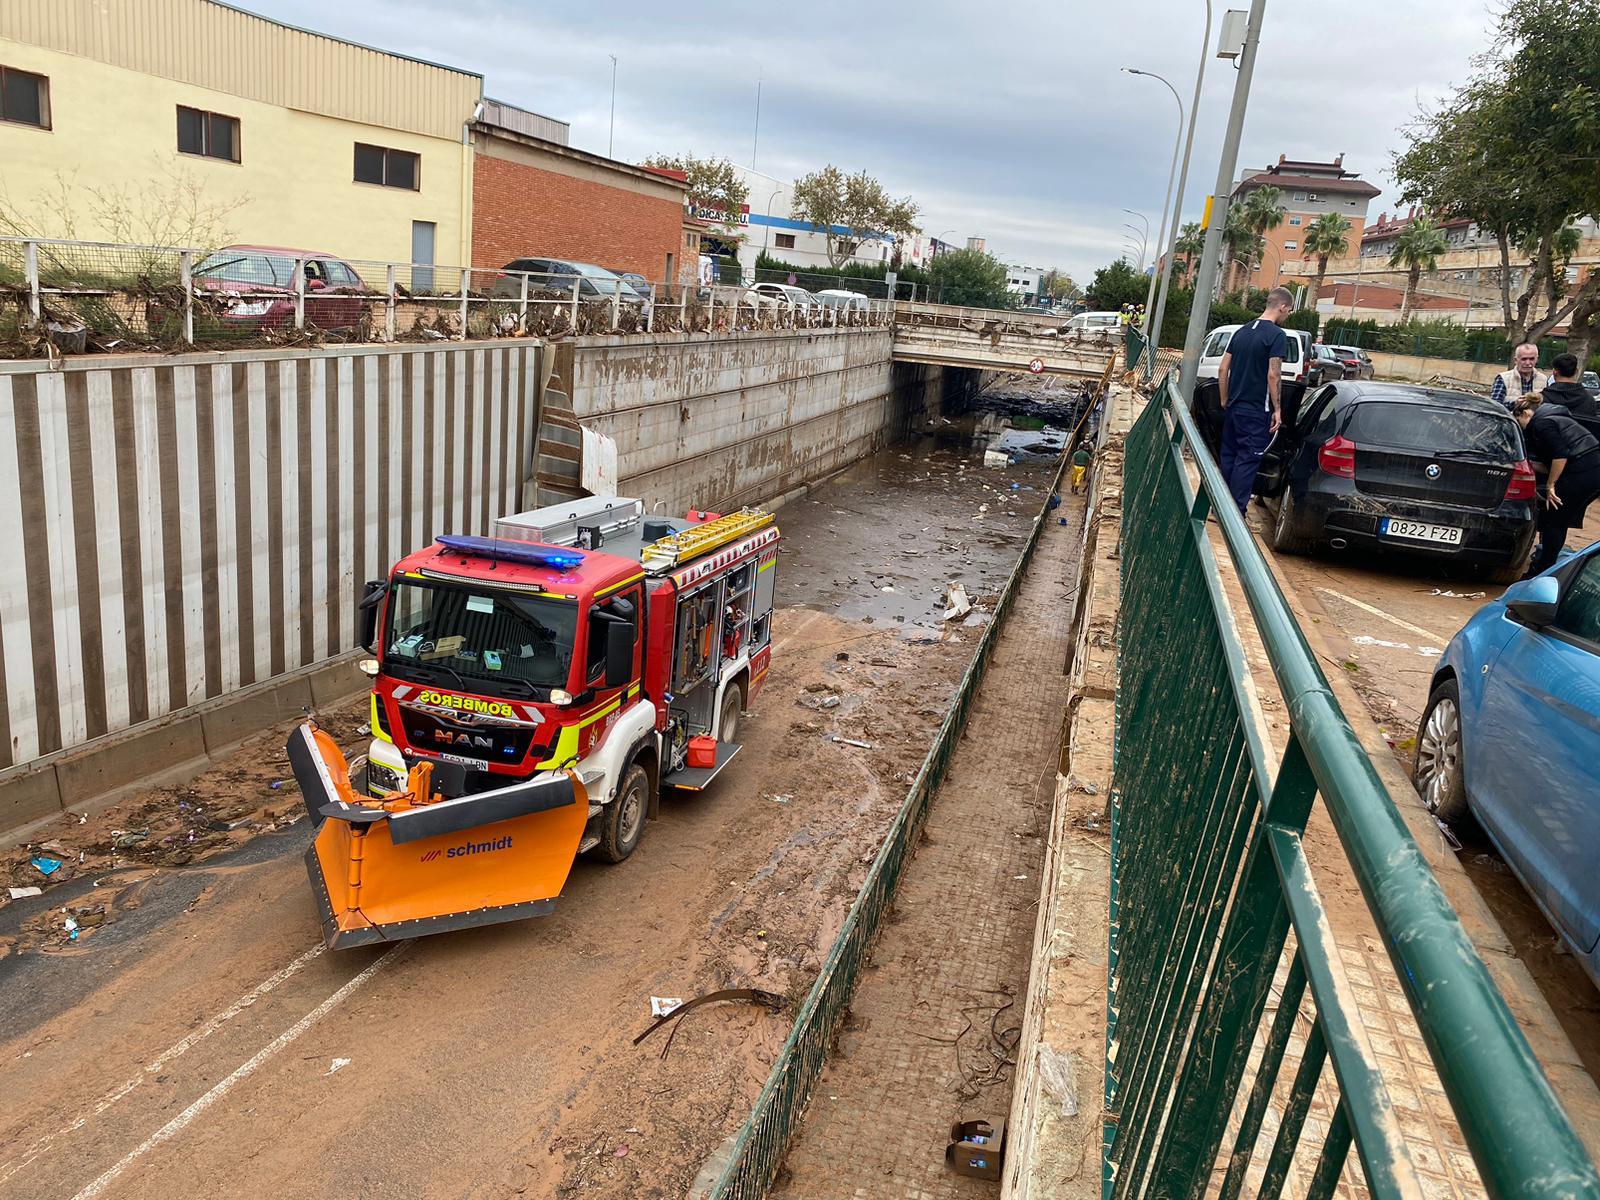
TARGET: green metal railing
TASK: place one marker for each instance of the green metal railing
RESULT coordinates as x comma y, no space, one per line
760,1144
1209,877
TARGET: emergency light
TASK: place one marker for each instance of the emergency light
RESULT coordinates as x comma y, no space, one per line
519,552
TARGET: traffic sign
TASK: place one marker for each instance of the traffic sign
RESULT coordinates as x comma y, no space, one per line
1036,365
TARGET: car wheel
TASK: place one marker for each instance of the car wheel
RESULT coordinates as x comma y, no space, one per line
1438,773
732,707
1284,538
623,825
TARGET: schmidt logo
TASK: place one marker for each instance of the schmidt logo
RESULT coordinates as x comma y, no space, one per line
470,848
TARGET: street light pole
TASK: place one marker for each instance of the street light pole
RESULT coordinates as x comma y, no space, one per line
1166,206
1155,321
1200,311
611,138
1144,238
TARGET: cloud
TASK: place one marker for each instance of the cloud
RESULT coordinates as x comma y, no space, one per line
1010,122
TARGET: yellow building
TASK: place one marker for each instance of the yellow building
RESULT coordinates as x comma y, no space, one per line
191,122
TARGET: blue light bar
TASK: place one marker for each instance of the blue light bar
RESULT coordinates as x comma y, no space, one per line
518,552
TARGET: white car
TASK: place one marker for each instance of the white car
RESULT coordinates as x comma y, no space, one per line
845,302
1296,356
1095,322
786,294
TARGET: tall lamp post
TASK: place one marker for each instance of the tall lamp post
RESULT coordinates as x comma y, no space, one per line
1144,236
1200,312
1166,205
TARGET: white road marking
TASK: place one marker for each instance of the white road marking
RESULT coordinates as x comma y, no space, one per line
1390,617
180,1122
154,1066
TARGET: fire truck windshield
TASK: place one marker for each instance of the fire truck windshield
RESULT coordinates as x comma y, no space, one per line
478,639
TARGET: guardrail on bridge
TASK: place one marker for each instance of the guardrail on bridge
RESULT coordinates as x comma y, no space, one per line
1209,877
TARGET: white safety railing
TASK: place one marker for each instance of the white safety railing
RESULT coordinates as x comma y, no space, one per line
75,296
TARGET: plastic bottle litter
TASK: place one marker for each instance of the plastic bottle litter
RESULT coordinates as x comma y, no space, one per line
71,927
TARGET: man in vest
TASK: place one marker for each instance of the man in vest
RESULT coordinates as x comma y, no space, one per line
1523,378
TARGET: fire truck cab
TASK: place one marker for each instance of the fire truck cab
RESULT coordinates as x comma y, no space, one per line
583,637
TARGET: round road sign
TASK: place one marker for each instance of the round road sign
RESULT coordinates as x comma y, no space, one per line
1036,365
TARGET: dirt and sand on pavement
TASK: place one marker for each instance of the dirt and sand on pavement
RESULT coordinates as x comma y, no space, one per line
199,1039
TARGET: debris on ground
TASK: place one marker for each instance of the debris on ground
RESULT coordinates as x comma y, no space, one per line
844,741
956,602
662,1006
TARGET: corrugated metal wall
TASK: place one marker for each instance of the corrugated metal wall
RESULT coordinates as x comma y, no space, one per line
214,46
171,532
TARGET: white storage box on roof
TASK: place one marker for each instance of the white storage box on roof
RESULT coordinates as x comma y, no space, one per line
558,524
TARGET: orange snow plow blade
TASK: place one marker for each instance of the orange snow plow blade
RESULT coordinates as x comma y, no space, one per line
421,861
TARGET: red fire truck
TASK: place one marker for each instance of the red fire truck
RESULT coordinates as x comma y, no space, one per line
534,692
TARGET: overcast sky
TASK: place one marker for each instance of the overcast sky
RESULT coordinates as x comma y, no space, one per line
1008,121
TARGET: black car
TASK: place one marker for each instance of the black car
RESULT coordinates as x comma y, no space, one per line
1325,365
1420,470
1356,361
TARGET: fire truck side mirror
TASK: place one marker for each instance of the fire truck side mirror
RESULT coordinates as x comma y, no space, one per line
371,601
619,653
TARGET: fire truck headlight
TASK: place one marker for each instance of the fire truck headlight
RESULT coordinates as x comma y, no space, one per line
557,696
382,779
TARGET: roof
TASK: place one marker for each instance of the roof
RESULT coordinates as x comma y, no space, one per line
1350,185
1412,393
595,570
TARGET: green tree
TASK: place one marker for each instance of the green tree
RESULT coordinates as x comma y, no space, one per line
1514,149
1263,211
1240,241
1189,246
1325,238
1417,249
971,277
714,183
849,210
1115,285
1058,285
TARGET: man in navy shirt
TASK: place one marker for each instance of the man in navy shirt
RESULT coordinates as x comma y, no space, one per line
1248,387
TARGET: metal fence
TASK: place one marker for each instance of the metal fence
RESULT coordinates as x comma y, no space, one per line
1209,877
760,1143
82,297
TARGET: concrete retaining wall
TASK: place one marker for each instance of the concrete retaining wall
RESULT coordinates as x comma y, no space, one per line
712,422
183,539
1408,368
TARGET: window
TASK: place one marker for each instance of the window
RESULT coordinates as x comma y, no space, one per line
785,241
388,168
24,97
208,134
1294,220
1579,612
1300,196
339,275
1291,245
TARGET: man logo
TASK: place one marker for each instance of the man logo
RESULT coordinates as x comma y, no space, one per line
431,855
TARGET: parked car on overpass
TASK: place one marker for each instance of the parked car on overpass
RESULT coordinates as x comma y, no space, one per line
1511,733
844,301
253,288
558,275
1095,322
1357,363
786,294
1415,470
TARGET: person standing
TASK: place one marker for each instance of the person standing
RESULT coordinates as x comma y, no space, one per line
1248,388
1568,456
1080,468
1564,388
1523,378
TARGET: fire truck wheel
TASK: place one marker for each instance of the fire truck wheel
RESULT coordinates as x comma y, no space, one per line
624,819
732,706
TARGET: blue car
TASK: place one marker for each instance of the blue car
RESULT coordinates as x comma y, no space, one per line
1512,732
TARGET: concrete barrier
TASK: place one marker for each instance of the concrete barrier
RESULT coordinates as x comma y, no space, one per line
1409,368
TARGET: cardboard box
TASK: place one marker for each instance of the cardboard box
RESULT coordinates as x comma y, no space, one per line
976,1148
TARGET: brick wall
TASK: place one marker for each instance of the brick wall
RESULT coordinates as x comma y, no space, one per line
521,211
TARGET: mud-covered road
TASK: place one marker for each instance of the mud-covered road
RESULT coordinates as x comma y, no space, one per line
194,1039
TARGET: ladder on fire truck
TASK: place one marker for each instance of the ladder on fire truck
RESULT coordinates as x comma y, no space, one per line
666,553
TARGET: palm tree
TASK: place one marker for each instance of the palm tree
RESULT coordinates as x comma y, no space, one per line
1325,238
1239,240
1417,248
1264,210
1190,243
